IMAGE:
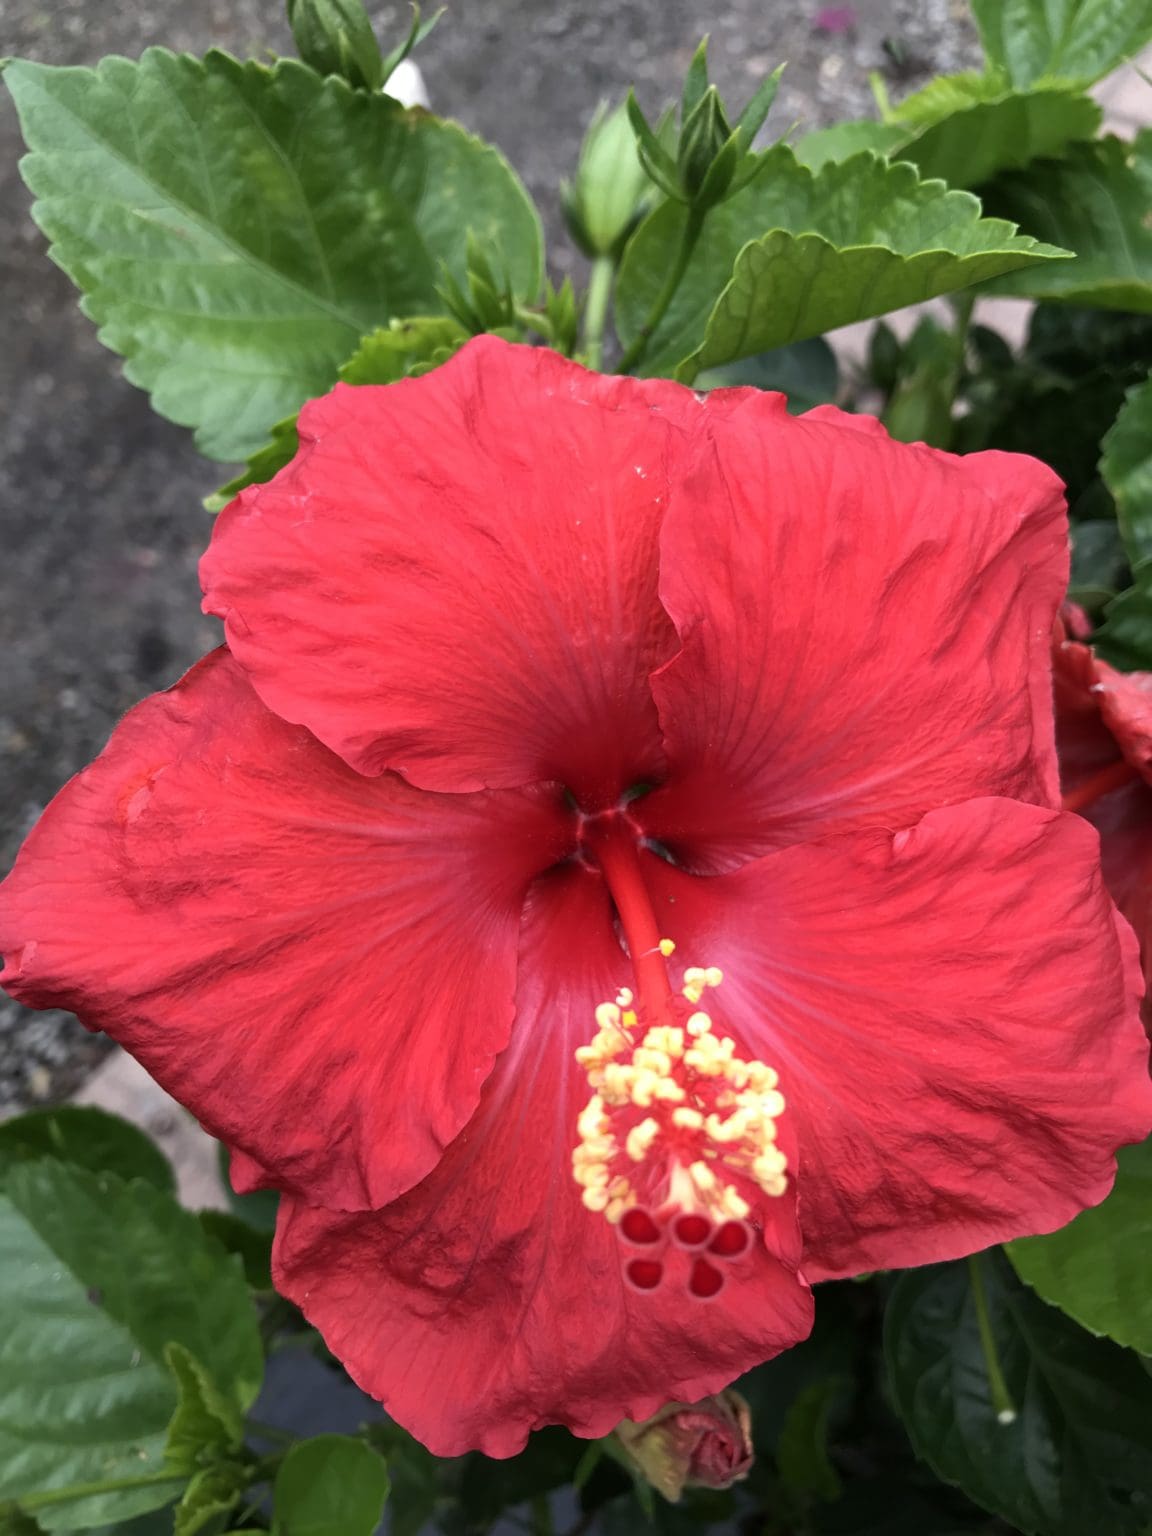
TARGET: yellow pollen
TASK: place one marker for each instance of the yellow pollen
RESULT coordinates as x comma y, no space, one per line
706,1116
640,1139
667,947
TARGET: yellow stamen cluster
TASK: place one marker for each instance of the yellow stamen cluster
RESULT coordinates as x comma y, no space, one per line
696,1085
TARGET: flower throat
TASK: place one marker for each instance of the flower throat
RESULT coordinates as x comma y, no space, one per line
678,1141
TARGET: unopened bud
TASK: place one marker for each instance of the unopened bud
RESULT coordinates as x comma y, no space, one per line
692,1445
335,37
603,202
703,137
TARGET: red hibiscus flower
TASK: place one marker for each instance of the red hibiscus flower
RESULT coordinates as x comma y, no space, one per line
1104,744
612,878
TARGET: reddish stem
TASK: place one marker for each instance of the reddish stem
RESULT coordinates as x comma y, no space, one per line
1115,776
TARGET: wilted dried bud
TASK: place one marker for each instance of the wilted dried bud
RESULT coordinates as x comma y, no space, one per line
692,1445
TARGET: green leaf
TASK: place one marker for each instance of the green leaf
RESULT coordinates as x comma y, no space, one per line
392,352
853,240
1072,39
548,1461
1125,638
262,464
210,1494
1094,202
97,1278
88,1137
1097,1268
258,1209
236,229
419,1480
965,129
802,1450
252,1247
404,348
1099,565
807,372
966,140
1078,1455
207,1423
1126,464
827,146
330,1486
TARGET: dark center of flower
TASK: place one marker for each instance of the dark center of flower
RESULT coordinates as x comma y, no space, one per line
678,1141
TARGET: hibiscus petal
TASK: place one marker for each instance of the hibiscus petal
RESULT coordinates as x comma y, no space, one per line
953,1014
865,631
456,576
488,1301
320,966
1124,822
1101,715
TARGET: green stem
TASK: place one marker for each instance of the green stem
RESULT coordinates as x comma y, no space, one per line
596,308
542,1516
33,1501
692,228
1001,1397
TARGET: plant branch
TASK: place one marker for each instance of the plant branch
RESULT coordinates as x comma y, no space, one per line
596,308
692,228
998,1387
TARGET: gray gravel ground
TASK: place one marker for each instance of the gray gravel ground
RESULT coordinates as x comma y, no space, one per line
100,517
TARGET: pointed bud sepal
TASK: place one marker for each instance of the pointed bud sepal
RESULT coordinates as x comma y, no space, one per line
691,1445
562,315
655,156
705,134
487,303
417,32
335,37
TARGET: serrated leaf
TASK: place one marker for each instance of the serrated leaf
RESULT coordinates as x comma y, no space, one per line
88,1137
1097,1268
1078,1455
236,229
97,1277
965,129
207,1422
853,240
1095,203
1072,39
827,146
385,355
1126,464
261,465
404,348
330,1486
211,1493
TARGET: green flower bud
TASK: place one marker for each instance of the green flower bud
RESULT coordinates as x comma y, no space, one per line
335,37
704,135
602,204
